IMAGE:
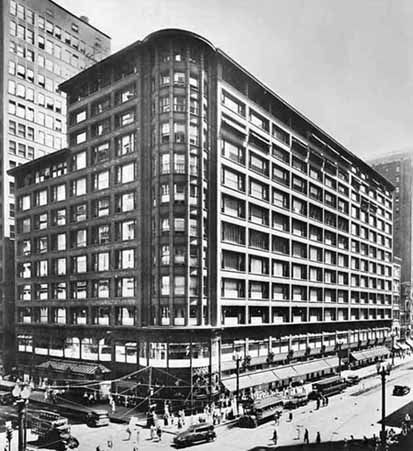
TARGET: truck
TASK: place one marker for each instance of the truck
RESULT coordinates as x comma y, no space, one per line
53,429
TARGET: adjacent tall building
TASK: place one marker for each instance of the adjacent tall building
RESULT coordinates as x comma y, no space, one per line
398,169
196,216
41,44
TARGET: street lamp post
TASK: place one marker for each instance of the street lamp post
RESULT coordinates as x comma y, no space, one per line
383,368
339,345
22,395
237,357
393,336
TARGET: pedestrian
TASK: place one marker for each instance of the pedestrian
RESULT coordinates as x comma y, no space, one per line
159,433
318,403
180,423
318,438
326,400
275,437
113,405
129,432
290,417
407,420
306,437
153,431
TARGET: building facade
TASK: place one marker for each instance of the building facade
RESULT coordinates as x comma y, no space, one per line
398,169
42,44
196,216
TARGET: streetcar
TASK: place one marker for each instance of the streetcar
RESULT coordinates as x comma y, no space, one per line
260,410
328,387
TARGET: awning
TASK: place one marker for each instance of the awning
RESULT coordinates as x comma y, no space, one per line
371,353
358,355
332,362
286,372
311,367
249,380
63,366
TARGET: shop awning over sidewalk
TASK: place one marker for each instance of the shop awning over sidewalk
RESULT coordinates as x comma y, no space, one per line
314,366
64,366
379,351
249,380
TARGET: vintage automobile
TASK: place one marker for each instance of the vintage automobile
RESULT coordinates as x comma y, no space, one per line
401,390
202,432
352,380
97,418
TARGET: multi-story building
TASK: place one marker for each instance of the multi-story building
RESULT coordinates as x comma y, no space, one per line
398,169
197,215
42,44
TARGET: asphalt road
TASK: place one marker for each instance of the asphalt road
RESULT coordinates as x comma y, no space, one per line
355,412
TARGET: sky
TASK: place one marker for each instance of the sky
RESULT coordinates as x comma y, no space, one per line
345,64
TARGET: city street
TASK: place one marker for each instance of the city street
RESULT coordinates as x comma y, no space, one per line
355,412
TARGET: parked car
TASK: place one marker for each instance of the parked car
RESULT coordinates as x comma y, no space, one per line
401,390
203,432
97,418
352,380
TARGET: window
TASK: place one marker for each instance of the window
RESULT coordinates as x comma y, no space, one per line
125,118
233,152
79,238
79,264
101,207
59,217
280,134
59,193
79,116
79,137
258,190
233,233
101,261
101,128
258,120
179,78
125,202
125,287
79,213
126,259
101,180
126,230
233,103
179,132
125,94
101,105
233,180
125,144
40,197
125,173
179,103
165,288
101,152
78,187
